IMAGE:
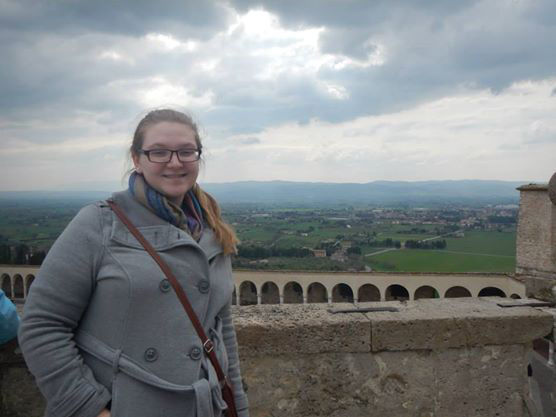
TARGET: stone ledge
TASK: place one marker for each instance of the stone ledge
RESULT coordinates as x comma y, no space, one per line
419,325
450,323
533,187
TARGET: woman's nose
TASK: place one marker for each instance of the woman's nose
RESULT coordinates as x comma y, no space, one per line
174,161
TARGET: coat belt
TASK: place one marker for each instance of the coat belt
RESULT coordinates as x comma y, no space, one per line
208,395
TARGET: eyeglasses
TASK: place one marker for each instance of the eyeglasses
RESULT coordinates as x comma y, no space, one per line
163,156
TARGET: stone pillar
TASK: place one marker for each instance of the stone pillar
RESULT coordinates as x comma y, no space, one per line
259,296
281,298
330,300
536,239
304,299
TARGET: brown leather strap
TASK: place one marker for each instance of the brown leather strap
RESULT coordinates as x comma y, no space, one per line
208,346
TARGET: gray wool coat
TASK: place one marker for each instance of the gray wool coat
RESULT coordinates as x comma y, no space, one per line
102,324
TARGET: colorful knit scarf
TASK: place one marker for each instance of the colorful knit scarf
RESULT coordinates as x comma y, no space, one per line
188,217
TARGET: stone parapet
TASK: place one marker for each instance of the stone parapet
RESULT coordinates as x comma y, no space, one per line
444,357
458,357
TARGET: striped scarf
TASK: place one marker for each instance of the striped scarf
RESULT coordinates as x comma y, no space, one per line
188,217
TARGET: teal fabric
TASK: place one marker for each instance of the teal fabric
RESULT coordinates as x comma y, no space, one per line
9,320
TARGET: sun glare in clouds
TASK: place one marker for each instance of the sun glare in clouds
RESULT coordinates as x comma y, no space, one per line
292,52
169,43
162,92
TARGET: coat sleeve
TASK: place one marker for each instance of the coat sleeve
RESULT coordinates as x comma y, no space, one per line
9,320
56,302
234,373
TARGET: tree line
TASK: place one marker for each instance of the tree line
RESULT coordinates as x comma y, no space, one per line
20,255
258,252
432,244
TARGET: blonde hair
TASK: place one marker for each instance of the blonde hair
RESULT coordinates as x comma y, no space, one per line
223,231
211,211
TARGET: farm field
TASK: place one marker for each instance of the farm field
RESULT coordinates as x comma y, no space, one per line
493,243
478,251
417,260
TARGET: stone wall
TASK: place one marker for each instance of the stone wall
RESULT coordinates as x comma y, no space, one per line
442,357
536,241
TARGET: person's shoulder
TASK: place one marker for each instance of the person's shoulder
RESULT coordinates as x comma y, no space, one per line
93,211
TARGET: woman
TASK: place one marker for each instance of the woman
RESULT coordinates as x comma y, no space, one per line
102,331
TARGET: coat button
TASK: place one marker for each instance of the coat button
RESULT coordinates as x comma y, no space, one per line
151,354
195,353
203,286
164,285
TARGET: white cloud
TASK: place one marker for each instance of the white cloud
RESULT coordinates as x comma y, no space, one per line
473,135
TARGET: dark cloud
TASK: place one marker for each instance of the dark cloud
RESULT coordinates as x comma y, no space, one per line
424,50
487,43
352,13
130,17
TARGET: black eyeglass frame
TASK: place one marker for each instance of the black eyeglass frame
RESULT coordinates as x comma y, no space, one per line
147,152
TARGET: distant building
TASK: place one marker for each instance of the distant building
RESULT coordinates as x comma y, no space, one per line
319,253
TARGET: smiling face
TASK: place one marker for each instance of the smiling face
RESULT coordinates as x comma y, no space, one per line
173,179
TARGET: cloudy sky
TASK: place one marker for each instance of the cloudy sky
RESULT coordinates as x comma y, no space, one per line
314,90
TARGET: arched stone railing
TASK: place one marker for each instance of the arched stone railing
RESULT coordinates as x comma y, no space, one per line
16,280
279,287
320,287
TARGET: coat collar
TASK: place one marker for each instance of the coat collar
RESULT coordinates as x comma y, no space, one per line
161,234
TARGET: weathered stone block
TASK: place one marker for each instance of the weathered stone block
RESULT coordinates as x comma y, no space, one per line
310,328
448,323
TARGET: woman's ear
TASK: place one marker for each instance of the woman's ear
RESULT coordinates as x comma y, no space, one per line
136,163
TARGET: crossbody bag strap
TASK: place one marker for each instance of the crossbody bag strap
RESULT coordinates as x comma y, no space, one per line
208,346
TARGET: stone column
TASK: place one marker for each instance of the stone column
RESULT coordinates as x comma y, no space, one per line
536,239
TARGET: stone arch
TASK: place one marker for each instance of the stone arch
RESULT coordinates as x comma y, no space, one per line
234,297
515,296
293,293
396,292
426,291
270,293
492,292
6,283
29,279
316,293
247,293
368,292
457,292
18,286
342,293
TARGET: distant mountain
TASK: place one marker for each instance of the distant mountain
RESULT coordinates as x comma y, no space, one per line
288,193
377,192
